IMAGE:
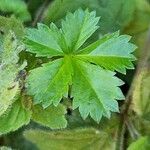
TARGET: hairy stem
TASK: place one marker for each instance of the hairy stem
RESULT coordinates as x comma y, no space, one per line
124,124
132,130
40,12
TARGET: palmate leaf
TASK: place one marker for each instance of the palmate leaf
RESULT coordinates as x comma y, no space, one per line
112,52
55,77
95,89
42,42
81,26
98,98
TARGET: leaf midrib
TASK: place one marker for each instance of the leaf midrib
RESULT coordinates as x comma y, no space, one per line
85,77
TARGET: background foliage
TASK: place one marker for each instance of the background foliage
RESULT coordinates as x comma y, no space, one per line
23,125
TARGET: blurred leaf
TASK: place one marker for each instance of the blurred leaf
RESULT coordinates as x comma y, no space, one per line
142,125
141,94
141,19
9,86
5,148
16,7
52,117
7,24
59,8
143,143
140,40
85,139
33,6
14,117
139,25
114,14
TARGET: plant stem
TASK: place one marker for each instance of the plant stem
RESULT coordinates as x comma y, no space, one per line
143,60
133,132
40,12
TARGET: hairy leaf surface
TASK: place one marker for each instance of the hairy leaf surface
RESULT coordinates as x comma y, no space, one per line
141,94
14,118
52,117
85,139
9,87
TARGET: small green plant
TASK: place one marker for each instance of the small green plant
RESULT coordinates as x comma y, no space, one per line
82,74
61,74
88,72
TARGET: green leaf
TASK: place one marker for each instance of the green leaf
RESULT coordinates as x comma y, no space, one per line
58,8
112,52
141,18
17,7
42,41
143,143
85,139
78,27
115,15
59,37
101,91
52,117
50,82
141,94
14,118
5,148
81,25
7,24
8,96
9,87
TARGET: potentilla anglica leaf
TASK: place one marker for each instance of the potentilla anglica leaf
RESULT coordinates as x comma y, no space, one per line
50,82
100,90
42,42
112,52
78,27
95,88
